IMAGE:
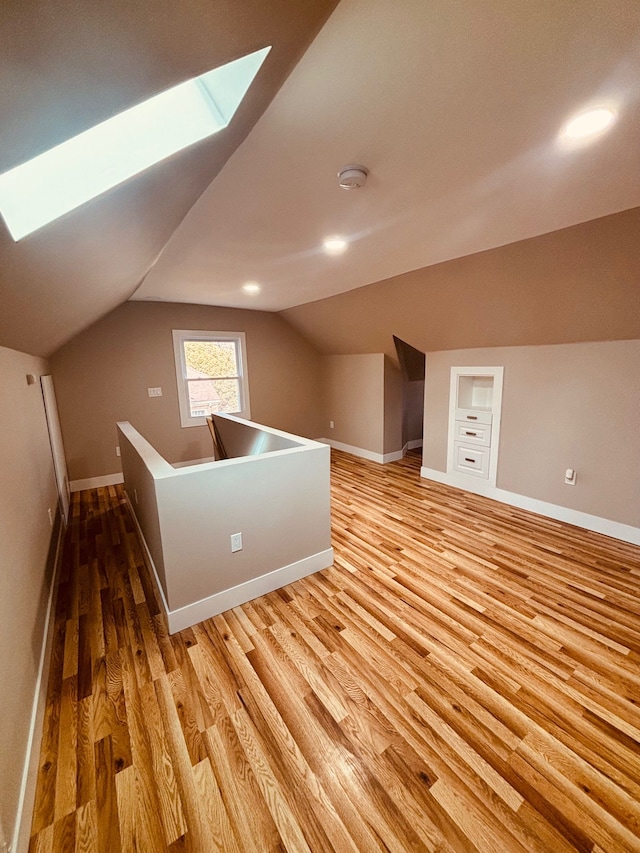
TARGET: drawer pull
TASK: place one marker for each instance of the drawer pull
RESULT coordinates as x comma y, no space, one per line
472,417
470,433
466,459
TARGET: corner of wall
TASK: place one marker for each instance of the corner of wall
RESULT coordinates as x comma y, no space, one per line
393,406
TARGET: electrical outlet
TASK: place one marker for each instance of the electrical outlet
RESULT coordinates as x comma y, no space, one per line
117,450
236,542
331,425
50,512
154,392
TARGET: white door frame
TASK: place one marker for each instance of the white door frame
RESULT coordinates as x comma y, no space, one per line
57,446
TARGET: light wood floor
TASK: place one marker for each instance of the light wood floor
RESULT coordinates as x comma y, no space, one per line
464,678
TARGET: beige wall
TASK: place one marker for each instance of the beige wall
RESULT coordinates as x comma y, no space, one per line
577,284
413,410
103,374
28,491
363,396
393,406
567,406
354,400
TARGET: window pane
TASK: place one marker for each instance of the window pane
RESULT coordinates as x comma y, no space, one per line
209,396
210,358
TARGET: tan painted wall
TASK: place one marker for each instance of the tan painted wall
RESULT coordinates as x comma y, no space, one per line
413,410
354,400
567,406
142,466
577,284
393,406
28,490
103,374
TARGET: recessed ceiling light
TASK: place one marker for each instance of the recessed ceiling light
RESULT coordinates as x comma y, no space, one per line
334,245
588,123
87,165
251,287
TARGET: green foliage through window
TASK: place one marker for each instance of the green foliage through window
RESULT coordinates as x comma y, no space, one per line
216,359
212,373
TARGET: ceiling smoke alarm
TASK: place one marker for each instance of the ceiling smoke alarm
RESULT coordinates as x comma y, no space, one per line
352,177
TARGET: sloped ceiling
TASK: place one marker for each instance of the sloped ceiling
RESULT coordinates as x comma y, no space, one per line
454,107
65,65
573,285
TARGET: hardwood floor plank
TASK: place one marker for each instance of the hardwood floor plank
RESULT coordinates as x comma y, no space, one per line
156,769
311,806
106,798
66,777
466,677
195,817
270,666
87,828
220,831
126,800
42,842
64,834
289,830
150,640
86,769
44,806
70,664
250,818
602,822
185,705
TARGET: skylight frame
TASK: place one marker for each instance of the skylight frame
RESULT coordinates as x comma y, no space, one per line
89,164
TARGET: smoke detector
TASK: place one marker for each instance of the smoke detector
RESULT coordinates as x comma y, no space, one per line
352,177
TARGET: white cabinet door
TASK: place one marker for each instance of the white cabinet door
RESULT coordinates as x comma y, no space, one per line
472,460
473,433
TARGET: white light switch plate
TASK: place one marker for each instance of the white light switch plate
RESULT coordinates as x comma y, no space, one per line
154,392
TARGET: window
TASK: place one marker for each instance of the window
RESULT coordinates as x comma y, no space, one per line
83,167
211,370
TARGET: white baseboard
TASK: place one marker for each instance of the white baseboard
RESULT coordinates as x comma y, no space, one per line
615,529
96,482
412,445
198,611
363,453
26,799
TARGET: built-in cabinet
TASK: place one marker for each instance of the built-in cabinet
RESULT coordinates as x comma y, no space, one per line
475,403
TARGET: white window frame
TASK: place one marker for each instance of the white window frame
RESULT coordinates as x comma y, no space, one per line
182,335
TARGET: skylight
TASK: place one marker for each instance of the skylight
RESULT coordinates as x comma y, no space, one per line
85,166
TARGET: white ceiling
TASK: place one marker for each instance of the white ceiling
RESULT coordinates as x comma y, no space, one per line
453,105
455,109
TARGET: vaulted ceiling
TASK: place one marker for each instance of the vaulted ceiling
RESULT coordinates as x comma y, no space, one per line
454,108
66,65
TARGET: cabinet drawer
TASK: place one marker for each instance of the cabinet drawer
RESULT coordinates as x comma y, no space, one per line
471,460
474,434
475,416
